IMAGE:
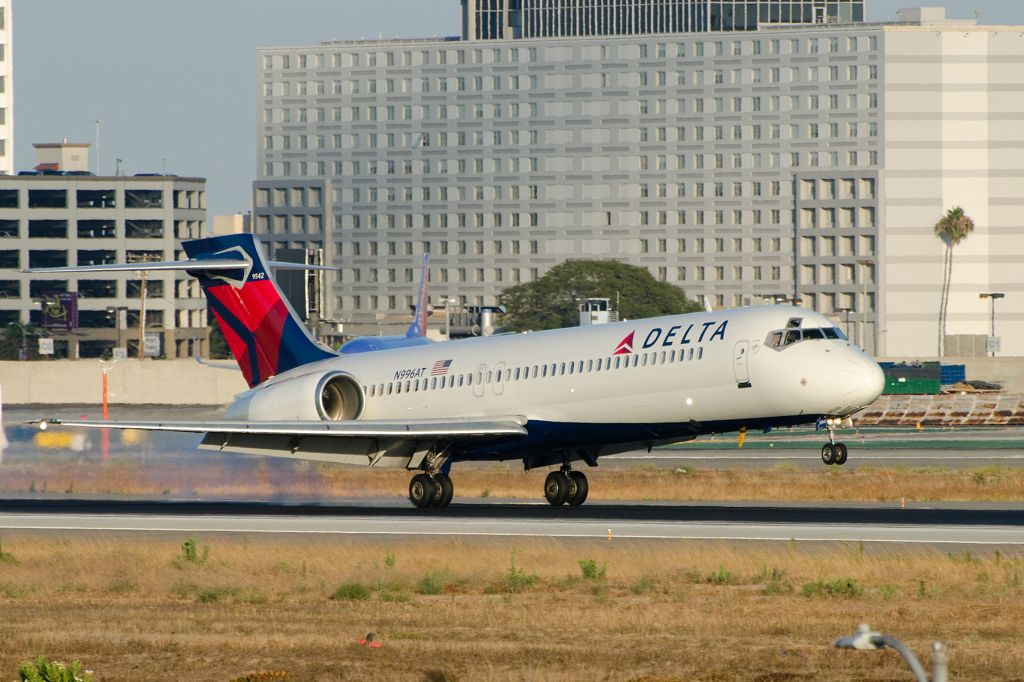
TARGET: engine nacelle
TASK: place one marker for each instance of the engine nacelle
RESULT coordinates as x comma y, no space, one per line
332,396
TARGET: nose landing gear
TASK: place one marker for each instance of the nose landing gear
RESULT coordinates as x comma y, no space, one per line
833,452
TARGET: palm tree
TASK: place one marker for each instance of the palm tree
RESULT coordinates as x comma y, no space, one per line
952,229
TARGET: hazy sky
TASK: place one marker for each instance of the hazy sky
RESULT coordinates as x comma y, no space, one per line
174,83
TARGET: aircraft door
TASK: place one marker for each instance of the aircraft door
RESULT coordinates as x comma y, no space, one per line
740,367
499,379
478,380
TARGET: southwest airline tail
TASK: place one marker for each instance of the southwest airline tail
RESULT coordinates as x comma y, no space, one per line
262,330
418,328
416,335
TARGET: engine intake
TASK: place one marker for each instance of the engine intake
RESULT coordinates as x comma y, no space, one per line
340,398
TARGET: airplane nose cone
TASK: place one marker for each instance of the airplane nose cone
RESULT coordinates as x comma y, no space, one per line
865,381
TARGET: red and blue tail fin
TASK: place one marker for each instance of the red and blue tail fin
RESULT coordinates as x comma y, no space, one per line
262,330
418,328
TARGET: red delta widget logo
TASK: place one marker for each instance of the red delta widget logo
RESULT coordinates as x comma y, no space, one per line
696,332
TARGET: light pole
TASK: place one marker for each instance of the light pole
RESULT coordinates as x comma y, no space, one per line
992,297
23,352
864,265
97,122
846,318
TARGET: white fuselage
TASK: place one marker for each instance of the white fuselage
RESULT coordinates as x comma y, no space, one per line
704,368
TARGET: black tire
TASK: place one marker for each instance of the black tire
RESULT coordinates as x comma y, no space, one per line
841,453
445,490
422,490
578,489
556,488
829,454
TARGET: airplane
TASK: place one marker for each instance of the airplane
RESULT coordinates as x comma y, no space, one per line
548,398
416,335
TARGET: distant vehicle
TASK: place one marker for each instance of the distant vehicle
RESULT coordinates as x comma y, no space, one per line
80,173
30,172
545,398
416,335
155,175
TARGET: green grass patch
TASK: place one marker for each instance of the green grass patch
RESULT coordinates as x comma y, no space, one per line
351,592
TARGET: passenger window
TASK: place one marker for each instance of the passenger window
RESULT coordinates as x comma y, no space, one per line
608,363
691,354
433,384
672,356
517,374
572,366
380,389
489,377
590,365
389,389
480,377
617,362
407,383
644,362
700,353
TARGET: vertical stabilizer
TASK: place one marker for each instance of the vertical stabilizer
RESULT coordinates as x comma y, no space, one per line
264,334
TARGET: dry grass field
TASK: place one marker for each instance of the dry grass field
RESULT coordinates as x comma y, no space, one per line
268,479
147,608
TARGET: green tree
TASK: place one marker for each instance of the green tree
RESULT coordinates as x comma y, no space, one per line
218,344
550,302
11,340
952,229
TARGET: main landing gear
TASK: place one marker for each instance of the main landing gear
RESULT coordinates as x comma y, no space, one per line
431,490
833,452
566,486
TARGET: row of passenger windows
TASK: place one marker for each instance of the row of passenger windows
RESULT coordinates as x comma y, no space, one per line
529,373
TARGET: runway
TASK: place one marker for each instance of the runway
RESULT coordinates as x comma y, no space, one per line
948,524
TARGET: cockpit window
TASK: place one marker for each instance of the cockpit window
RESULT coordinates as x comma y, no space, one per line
782,338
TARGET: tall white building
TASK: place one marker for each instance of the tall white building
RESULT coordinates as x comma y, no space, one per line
6,89
806,162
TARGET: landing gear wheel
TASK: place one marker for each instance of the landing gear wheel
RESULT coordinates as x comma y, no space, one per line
829,453
556,488
445,490
841,453
422,490
578,489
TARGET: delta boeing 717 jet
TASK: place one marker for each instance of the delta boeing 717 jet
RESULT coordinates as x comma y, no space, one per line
551,398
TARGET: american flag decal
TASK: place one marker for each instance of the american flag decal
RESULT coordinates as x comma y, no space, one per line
440,368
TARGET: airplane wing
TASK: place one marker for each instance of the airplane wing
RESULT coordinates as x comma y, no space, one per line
372,442
428,428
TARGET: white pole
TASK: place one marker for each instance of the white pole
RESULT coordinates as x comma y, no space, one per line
97,122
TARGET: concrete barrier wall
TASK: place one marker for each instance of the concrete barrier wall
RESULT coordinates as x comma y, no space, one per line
968,409
130,382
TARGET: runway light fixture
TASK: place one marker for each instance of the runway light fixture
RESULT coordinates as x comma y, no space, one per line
867,640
